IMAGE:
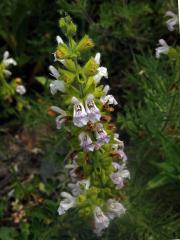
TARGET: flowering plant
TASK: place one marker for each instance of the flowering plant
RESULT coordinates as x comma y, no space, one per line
8,89
97,162
163,47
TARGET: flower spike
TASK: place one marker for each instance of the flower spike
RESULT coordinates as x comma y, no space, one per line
96,162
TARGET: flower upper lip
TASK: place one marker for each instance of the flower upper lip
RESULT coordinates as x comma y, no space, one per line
162,49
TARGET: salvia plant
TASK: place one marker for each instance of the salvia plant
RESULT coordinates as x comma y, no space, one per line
96,162
12,87
154,119
163,47
170,109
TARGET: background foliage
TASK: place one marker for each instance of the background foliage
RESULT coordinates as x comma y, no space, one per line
32,152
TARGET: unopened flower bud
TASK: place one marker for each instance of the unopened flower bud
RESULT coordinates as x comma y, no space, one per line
67,25
67,76
97,58
85,44
62,52
90,69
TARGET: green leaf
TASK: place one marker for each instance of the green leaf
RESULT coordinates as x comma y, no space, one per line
42,80
7,233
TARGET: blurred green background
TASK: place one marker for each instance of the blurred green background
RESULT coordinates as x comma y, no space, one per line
32,151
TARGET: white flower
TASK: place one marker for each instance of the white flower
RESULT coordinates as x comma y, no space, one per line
80,117
108,99
86,142
117,166
115,209
116,136
118,149
20,89
72,167
119,144
101,136
60,118
101,221
163,49
102,72
7,60
78,187
117,180
122,155
106,89
91,109
124,173
118,176
57,85
172,21
67,203
59,40
58,60
97,58
54,72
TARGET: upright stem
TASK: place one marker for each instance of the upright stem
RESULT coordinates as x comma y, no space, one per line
77,71
77,75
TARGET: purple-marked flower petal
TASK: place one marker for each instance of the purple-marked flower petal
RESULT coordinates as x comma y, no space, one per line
101,221
86,142
115,209
101,135
119,176
80,117
91,109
